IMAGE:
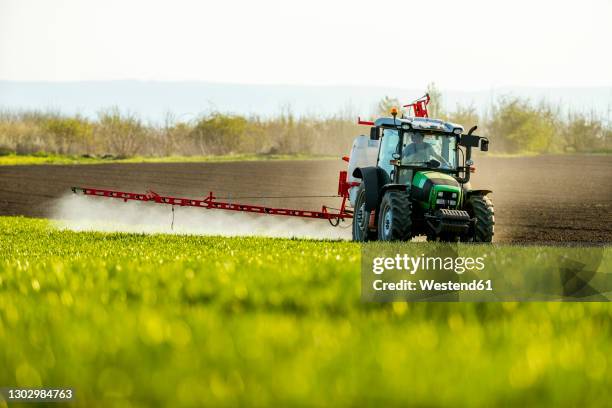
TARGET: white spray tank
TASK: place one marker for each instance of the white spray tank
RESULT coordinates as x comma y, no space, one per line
364,153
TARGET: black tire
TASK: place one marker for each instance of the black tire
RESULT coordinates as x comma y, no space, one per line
361,219
394,221
481,208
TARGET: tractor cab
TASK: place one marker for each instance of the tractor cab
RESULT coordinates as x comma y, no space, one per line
411,143
419,184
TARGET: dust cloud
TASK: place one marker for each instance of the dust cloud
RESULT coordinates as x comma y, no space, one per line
83,213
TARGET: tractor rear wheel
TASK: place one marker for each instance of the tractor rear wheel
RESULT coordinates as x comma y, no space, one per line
394,220
361,219
481,208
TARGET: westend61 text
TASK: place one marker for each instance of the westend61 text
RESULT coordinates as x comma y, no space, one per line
432,285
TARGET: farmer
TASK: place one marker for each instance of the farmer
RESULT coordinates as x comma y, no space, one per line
421,152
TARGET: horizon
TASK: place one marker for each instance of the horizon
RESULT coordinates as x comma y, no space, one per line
153,100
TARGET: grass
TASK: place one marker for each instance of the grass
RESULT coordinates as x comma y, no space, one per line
17,160
163,320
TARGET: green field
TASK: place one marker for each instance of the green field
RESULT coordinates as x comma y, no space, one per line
20,160
163,320
44,158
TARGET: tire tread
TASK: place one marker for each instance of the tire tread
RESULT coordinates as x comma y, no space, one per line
401,224
483,211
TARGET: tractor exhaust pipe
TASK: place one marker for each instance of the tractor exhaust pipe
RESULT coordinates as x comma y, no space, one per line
468,141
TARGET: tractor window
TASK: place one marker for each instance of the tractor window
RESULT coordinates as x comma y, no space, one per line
388,146
419,148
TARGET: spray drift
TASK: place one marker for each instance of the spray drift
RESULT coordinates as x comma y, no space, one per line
85,213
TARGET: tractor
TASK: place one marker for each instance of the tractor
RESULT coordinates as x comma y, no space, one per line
411,178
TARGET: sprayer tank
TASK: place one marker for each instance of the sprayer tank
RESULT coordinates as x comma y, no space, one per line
363,154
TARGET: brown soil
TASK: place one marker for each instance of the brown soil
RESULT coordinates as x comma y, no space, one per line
537,199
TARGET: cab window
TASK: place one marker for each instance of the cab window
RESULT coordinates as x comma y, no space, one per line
388,146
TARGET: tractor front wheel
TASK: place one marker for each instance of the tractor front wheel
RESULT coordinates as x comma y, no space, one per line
394,220
481,208
361,219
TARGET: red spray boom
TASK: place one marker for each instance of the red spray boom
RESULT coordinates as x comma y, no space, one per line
419,108
211,202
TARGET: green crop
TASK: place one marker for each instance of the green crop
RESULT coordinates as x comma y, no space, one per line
49,158
163,320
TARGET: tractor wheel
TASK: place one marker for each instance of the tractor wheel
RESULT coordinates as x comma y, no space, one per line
361,219
394,221
481,208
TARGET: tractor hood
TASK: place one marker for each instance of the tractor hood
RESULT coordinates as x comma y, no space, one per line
432,189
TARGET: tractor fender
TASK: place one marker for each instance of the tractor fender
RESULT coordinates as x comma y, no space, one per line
373,178
388,187
470,193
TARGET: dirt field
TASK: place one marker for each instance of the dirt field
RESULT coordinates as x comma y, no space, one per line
537,199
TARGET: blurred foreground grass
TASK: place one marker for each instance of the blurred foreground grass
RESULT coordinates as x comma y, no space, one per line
161,320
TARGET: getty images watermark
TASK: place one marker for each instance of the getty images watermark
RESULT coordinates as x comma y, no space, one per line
485,273
410,265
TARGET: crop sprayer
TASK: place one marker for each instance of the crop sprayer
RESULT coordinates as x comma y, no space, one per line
409,177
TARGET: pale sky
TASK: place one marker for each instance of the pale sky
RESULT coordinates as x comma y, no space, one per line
462,45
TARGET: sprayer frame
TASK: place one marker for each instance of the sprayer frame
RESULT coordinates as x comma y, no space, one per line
210,202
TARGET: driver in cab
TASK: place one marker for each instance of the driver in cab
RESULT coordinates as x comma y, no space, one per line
419,152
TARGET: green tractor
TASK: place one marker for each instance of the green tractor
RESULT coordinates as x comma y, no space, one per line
419,184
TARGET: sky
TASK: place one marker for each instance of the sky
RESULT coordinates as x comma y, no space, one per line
460,45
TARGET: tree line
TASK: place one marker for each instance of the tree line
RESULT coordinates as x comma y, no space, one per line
517,125
513,125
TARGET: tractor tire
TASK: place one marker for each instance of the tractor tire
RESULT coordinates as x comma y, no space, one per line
395,217
481,208
361,219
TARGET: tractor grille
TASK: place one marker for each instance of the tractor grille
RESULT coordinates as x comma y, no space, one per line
448,220
458,215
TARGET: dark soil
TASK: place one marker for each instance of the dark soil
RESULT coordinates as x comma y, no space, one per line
540,199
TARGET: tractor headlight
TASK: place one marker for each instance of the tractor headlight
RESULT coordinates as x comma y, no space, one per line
454,195
440,194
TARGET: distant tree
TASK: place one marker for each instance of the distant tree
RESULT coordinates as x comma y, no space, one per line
219,133
173,136
583,134
520,127
385,104
70,134
122,134
607,136
467,116
435,107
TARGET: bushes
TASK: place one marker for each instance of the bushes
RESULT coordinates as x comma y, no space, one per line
517,126
513,124
122,135
70,135
32,132
523,128
219,134
584,134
